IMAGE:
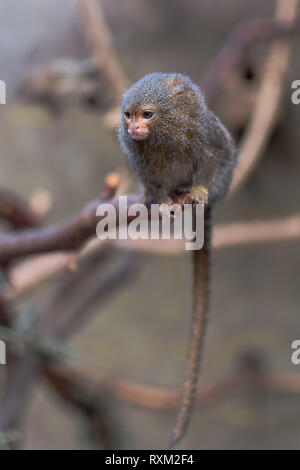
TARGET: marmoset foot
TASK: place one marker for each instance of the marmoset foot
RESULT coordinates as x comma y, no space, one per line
197,195
165,208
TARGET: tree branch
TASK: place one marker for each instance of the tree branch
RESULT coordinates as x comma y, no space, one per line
268,100
30,273
160,398
242,37
16,211
101,41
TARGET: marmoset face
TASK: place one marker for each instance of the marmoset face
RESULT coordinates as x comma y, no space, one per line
139,122
161,110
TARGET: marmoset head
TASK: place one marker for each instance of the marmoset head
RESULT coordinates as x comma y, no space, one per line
158,105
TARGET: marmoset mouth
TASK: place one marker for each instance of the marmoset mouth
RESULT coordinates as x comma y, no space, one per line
138,135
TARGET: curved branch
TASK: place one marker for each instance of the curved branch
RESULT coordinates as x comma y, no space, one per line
71,235
100,39
65,236
160,398
36,269
268,100
244,35
16,211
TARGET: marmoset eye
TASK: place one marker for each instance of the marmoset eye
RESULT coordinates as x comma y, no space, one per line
127,114
148,114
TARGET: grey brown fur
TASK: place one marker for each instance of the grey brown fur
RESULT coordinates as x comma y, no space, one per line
187,147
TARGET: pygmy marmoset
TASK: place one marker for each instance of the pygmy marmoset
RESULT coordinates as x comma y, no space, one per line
173,141
182,153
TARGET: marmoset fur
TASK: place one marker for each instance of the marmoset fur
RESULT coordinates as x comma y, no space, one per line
182,153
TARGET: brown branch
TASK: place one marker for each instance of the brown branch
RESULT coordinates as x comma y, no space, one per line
159,398
20,375
5,314
268,100
39,268
100,39
20,380
46,85
239,233
73,234
65,236
93,406
40,348
242,37
32,272
70,235
226,235
16,211
98,283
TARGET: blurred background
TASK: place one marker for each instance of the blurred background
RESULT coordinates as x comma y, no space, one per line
132,307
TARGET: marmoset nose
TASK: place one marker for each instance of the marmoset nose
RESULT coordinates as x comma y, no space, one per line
137,132
134,126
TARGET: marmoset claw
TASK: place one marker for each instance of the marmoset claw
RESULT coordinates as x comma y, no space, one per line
197,195
165,208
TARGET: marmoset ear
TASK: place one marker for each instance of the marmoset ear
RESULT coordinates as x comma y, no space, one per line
176,85
173,81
